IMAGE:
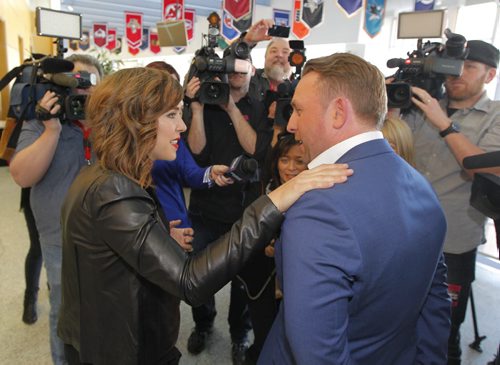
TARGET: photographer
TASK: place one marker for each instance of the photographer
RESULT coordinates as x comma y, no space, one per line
218,134
464,123
48,157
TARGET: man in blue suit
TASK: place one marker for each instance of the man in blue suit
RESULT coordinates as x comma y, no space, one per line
360,264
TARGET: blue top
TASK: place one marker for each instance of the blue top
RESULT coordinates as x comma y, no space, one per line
170,177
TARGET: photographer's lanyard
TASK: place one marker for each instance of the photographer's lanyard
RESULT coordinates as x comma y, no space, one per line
86,140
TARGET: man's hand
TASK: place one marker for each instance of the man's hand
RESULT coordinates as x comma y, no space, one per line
258,32
431,108
217,175
183,236
192,87
48,108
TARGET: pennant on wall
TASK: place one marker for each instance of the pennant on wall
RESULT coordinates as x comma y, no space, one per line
245,22
424,5
228,30
154,42
237,9
312,12
73,44
133,31
189,17
374,16
173,9
100,32
145,39
299,28
281,17
350,6
111,45
119,44
84,43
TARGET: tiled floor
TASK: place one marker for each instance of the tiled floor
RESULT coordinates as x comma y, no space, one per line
22,344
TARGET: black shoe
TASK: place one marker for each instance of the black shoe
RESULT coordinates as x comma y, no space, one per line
238,352
29,308
197,341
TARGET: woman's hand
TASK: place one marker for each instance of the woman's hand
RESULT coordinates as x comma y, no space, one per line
183,236
321,177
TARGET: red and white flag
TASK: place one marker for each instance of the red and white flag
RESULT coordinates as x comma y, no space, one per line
172,9
154,42
111,45
133,31
190,18
299,28
237,8
100,34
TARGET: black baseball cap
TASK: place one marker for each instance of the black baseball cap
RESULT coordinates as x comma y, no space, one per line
483,52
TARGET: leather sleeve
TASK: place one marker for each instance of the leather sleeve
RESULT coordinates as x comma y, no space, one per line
130,226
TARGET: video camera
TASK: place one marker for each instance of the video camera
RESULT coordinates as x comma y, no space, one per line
212,70
48,73
297,59
428,66
243,169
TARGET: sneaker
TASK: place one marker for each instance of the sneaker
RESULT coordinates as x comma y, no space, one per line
197,341
238,352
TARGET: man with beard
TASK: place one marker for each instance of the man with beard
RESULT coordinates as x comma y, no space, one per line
465,123
218,134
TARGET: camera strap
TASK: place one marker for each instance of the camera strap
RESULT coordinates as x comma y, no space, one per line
86,141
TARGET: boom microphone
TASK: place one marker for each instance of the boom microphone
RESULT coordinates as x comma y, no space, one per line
56,65
482,161
395,62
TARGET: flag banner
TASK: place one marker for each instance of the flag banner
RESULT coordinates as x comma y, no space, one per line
111,45
299,28
237,9
119,44
189,17
154,42
424,5
312,12
73,44
100,32
228,30
350,6
84,43
281,17
179,50
172,9
145,39
244,23
133,26
133,50
374,16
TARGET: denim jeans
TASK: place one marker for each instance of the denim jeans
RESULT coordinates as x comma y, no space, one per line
52,259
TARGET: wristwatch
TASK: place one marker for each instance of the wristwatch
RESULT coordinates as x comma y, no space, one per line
453,128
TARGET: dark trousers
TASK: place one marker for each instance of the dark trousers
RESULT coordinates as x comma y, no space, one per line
205,232
461,274
33,262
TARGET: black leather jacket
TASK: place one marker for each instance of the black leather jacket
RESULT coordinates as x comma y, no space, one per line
123,275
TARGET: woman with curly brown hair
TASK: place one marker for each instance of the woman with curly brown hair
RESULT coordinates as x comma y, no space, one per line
123,274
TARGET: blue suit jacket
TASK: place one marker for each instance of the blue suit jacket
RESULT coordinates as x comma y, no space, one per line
362,271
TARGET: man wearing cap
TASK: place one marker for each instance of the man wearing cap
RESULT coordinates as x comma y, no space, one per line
465,123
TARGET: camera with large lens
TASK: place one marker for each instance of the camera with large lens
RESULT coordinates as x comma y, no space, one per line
426,67
212,70
50,74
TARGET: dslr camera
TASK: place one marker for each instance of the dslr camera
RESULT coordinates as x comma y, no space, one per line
50,74
427,68
212,70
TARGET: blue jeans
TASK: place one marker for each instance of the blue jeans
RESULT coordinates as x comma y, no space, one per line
52,259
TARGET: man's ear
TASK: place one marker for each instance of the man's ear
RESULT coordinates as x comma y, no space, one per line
490,75
339,109
252,71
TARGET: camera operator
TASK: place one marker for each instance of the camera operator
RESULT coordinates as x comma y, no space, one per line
464,123
218,134
48,157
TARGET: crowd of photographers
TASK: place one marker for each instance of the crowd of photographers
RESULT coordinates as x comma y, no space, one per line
228,127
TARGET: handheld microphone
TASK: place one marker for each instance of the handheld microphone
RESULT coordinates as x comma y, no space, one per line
482,161
243,168
56,65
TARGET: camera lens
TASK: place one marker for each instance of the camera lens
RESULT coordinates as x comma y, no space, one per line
213,91
399,94
241,50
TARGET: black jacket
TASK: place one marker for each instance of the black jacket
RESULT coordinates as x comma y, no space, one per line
123,275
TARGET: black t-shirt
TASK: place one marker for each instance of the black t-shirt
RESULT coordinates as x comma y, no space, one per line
226,204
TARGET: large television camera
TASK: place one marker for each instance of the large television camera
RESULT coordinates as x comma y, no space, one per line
426,67
50,74
212,70
297,59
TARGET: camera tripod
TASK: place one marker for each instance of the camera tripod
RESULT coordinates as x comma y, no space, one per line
476,344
